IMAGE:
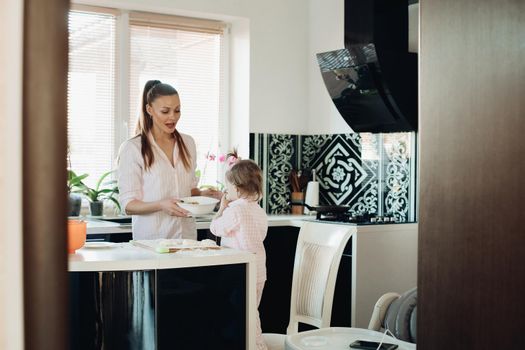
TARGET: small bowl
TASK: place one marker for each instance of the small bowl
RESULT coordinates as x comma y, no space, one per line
198,205
76,235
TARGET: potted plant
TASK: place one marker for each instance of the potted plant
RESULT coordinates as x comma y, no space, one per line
74,187
101,192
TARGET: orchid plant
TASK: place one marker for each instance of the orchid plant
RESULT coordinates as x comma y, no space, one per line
219,161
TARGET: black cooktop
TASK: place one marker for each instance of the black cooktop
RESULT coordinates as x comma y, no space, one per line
361,219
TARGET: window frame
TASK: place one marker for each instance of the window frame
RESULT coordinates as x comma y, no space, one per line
122,41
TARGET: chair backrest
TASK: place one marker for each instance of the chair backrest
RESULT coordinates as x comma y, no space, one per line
319,250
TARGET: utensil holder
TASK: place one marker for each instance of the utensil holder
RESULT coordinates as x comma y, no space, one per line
297,203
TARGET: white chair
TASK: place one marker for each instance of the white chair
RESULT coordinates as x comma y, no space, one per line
395,312
319,250
398,314
380,308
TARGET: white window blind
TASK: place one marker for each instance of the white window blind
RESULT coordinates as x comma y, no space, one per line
91,93
189,56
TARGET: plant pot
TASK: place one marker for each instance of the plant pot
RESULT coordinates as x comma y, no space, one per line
75,202
96,208
76,235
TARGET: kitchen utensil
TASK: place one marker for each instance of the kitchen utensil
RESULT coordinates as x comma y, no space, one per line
294,181
304,178
198,205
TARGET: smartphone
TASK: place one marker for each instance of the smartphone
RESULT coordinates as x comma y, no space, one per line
372,345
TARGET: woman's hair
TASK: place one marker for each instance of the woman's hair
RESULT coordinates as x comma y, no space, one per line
152,90
246,175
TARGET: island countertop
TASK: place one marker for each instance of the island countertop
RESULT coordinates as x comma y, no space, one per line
127,257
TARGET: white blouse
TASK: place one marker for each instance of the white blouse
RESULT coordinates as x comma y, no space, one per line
160,181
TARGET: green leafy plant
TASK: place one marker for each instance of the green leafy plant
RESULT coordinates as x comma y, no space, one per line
102,190
74,182
74,189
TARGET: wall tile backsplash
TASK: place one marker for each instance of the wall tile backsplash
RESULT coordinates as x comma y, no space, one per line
369,172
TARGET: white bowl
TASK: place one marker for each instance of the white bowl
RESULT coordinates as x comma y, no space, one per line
198,205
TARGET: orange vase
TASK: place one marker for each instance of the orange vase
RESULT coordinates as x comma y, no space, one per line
76,235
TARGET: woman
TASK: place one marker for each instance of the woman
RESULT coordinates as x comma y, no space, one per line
156,167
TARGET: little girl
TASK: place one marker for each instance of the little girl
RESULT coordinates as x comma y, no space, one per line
242,223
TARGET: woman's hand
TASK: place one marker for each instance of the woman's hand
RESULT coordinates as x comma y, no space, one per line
170,207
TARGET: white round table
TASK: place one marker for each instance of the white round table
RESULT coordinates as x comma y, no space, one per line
338,338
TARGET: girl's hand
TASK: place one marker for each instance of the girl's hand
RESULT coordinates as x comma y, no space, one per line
224,203
170,207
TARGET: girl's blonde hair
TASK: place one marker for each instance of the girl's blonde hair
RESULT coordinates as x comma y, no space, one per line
246,175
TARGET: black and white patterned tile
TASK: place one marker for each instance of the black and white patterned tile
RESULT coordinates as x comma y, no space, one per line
367,200
368,172
311,145
398,175
341,174
277,156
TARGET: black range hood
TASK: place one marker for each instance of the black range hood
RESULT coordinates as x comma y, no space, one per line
373,81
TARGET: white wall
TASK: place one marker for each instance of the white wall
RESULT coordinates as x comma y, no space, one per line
11,291
278,45
326,24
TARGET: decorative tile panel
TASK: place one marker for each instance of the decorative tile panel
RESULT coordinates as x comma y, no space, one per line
397,177
340,171
277,155
369,172
311,145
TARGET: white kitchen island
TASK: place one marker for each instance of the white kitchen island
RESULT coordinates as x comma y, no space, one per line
128,297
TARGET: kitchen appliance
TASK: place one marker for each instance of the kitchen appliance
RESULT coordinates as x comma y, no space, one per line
373,81
341,214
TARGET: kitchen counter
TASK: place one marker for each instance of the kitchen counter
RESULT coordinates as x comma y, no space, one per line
99,226
127,257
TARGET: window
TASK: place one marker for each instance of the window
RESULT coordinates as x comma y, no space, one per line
105,84
91,93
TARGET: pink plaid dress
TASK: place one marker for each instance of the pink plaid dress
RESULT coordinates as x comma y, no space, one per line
243,225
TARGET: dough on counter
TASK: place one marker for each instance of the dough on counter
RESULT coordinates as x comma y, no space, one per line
180,242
